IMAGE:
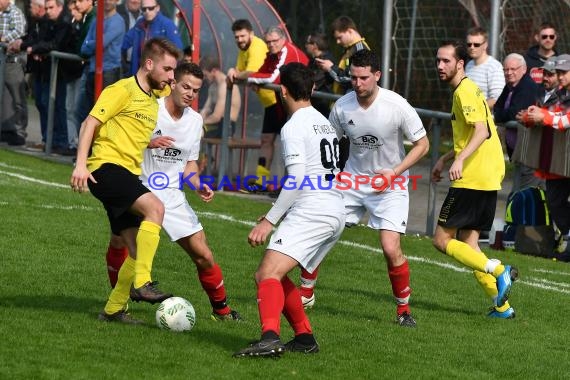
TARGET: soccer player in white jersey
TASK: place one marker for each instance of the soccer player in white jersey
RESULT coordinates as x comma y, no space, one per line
313,222
376,121
174,149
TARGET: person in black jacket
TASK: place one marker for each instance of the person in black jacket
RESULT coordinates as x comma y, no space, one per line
52,34
316,46
519,93
537,55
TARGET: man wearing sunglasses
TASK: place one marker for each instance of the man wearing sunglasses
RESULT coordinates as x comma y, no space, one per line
484,70
152,24
537,55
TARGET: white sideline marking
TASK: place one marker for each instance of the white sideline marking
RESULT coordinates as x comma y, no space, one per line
3,164
35,180
538,280
551,271
537,283
543,286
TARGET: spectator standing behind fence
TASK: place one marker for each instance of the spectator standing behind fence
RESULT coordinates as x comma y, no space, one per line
113,34
12,28
215,106
484,70
280,53
50,36
88,12
152,24
251,55
316,46
72,71
519,93
553,113
130,11
37,12
346,35
545,38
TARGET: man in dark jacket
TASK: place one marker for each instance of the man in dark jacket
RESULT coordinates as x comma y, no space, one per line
52,34
316,46
520,92
537,55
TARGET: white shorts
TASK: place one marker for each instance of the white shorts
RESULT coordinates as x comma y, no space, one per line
179,218
388,211
307,236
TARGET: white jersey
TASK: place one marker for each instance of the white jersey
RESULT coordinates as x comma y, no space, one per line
170,162
309,139
377,133
315,210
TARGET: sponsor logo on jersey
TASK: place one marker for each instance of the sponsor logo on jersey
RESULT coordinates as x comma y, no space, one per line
172,152
158,133
142,116
367,141
350,122
279,242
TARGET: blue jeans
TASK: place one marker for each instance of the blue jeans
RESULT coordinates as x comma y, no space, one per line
41,90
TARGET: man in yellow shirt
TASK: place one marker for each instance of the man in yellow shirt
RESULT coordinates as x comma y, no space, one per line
118,130
476,174
252,53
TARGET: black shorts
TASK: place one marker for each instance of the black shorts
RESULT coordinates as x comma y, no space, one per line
117,189
274,119
468,209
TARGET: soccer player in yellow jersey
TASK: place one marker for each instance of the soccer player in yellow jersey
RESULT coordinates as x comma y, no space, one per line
476,174
118,130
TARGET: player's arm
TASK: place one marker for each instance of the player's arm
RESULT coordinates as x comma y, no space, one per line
80,173
202,189
286,198
439,165
419,149
219,106
480,134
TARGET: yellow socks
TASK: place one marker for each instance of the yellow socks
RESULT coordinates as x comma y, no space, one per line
121,292
473,259
147,243
466,255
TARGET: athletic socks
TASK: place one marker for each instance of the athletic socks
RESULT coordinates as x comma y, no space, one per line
147,243
270,301
308,282
212,282
400,280
473,259
293,308
121,292
488,283
115,258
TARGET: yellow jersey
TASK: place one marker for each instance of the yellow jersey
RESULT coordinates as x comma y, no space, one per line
251,60
128,117
484,169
